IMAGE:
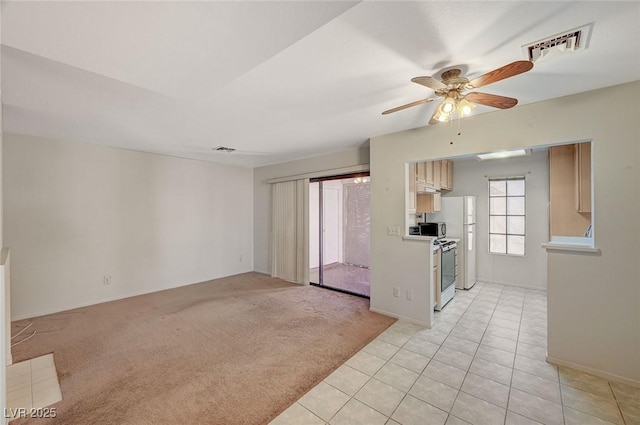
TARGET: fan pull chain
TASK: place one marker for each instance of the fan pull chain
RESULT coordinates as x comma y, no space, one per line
451,131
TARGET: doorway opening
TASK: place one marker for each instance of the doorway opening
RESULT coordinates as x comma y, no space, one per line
339,233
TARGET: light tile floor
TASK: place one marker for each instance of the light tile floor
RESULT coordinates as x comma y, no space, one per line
482,363
32,384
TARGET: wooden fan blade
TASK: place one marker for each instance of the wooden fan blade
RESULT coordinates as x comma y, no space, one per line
430,82
409,105
492,100
514,68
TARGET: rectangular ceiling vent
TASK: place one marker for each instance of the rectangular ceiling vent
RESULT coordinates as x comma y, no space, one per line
557,45
224,149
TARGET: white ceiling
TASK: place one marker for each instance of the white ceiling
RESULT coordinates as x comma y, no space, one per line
280,80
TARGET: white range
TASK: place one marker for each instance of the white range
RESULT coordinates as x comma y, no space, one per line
459,214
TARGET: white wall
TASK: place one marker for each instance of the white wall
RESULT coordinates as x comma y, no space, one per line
333,223
470,179
314,224
262,194
76,212
593,300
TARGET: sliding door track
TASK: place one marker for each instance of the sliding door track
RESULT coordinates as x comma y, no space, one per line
344,291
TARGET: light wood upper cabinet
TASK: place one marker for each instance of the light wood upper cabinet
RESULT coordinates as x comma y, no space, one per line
429,174
436,174
411,202
421,172
569,189
428,203
429,177
446,174
582,170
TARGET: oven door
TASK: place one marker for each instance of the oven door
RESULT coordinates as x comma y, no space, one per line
448,269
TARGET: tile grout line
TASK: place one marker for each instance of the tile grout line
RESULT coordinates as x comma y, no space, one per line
474,354
624,419
444,334
514,363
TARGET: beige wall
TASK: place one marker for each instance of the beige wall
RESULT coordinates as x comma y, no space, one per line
76,212
262,194
593,300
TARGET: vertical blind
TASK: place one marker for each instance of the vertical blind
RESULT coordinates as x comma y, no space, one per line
290,231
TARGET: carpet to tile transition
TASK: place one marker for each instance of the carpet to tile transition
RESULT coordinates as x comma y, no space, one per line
236,350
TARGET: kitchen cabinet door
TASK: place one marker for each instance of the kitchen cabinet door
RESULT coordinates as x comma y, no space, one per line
428,203
582,169
429,173
421,173
411,193
446,174
437,170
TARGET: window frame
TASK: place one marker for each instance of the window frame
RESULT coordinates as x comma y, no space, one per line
506,214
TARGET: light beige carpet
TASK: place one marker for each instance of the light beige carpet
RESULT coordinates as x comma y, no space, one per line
236,350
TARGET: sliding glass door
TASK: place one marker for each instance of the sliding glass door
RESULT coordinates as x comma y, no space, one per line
339,226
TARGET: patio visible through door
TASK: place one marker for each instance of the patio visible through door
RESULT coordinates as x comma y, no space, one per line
339,225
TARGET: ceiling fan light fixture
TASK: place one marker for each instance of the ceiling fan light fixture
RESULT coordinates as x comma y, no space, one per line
465,107
440,115
449,106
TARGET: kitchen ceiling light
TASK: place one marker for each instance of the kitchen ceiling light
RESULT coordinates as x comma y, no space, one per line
503,154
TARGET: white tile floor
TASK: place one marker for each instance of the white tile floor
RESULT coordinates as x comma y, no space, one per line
32,384
483,363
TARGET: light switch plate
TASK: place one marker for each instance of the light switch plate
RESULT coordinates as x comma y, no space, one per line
393,230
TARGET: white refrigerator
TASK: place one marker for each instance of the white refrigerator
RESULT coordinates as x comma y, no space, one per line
459,214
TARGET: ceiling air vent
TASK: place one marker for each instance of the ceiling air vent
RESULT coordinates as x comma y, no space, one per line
224,149
558,45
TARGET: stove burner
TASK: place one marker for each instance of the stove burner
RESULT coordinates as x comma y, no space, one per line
444,244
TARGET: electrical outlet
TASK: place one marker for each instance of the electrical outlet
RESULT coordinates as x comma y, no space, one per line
393,230
107,280
409,295
396,292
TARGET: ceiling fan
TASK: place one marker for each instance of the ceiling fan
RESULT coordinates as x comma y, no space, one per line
455,91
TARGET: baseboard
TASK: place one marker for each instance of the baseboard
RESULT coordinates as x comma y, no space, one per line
262,271
596,372
113,298
399,316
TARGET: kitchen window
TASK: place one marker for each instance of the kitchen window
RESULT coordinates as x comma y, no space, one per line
507,215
